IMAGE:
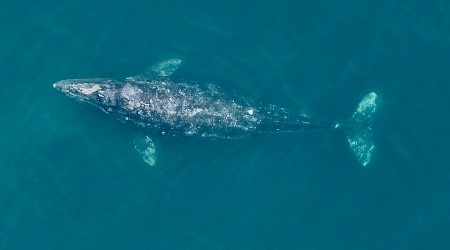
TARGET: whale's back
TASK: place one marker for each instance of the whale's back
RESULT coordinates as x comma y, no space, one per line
180,109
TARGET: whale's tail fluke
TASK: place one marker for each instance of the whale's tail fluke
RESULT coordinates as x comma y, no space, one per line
359,130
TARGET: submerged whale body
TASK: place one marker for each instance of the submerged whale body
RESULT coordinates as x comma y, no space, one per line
179,109
161,106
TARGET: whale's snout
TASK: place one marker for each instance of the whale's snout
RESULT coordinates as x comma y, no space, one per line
80,87
95,91
69,87
59,85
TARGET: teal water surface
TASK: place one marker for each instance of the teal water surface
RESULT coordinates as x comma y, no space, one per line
70,178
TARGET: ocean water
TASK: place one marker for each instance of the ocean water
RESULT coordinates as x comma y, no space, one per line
70,178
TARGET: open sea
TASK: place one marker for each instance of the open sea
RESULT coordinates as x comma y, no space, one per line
71,179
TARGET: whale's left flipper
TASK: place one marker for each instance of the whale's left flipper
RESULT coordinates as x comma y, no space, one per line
359,133
146,148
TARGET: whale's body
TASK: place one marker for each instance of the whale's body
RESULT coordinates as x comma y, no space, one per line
189,110
163,107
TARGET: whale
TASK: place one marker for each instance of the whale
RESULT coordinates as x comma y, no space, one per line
159,106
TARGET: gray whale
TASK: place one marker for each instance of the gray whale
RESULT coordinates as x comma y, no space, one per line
164,107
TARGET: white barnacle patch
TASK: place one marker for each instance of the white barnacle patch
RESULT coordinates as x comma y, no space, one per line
130,92
133,95
108,96
89,89
193,112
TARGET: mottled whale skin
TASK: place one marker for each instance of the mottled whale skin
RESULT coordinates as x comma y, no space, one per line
161,106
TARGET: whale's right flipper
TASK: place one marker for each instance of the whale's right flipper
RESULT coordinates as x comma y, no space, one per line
146,148
359,135
165,68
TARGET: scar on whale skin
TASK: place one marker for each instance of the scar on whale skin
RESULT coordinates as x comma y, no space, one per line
88,91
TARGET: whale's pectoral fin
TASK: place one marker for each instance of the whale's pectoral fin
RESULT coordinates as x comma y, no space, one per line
165,68
146,148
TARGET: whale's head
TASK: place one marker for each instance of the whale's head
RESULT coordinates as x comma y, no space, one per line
102,93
